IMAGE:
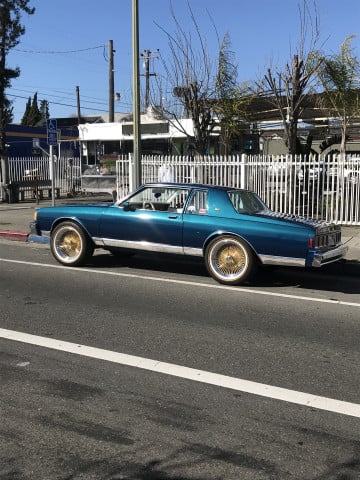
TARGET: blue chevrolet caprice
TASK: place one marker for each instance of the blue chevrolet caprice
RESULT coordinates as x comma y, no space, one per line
232,229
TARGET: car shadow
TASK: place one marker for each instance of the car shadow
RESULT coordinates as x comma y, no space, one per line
322,279
152,262
330,278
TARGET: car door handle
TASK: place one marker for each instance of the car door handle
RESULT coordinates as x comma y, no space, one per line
173,216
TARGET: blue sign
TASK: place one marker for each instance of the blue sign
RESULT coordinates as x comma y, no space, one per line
51,125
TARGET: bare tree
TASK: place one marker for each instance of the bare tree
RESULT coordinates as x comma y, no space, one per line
340,78
288,88
191,76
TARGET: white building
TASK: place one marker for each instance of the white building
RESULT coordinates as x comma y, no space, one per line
105,141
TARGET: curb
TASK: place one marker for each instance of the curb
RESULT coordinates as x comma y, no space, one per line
11,235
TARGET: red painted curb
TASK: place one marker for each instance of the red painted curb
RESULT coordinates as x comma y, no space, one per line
21,236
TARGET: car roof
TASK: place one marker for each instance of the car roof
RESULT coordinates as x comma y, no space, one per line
189,185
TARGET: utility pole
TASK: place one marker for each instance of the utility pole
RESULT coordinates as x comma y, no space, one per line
78,104
148,55
111,80
136,95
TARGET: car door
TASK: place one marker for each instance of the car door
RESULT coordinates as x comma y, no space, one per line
150,220
197,223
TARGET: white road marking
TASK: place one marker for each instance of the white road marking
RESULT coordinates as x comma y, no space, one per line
224,381
23,364
186,282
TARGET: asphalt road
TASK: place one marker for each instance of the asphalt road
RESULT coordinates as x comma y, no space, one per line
175,397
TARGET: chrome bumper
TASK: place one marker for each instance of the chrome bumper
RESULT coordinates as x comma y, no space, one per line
321,259
33,228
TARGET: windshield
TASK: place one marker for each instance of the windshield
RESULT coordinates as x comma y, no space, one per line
246,202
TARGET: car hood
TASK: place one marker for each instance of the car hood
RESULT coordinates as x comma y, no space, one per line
74,207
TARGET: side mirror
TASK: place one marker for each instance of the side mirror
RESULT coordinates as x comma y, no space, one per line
128,207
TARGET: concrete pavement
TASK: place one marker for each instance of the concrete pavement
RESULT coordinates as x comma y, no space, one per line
15,219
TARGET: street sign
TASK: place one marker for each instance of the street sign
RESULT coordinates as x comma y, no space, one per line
51,125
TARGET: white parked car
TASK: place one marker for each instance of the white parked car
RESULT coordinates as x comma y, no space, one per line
348,171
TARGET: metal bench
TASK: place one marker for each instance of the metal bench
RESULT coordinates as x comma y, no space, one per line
37,186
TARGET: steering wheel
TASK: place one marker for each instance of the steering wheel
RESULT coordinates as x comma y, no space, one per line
149,206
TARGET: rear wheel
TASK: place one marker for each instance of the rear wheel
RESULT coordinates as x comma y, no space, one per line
70,245
229,260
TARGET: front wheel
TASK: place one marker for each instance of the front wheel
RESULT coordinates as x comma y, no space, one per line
229,260
70,245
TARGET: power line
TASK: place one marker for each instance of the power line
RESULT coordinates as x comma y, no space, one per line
56,103
55,52
65,94
66,104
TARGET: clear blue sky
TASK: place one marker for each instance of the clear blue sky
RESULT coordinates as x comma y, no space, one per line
65,44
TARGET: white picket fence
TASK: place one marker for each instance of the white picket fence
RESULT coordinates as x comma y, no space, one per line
24,171
325,187
313,187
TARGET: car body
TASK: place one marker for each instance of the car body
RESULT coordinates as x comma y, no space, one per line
232,229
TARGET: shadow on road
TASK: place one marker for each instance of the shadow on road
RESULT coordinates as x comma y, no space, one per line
330,278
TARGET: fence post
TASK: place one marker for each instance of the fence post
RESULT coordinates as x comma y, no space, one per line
243,160
52,175
131,172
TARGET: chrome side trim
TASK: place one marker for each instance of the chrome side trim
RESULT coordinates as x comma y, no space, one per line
282,261
330,256
144,246
194,252
98,241
318,260
147,246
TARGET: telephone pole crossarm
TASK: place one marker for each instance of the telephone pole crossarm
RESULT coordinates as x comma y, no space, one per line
148,55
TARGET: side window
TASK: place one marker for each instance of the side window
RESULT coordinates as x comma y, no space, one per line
237,200
198,204
177,200
162,199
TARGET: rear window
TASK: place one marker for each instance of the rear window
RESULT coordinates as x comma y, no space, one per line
246,202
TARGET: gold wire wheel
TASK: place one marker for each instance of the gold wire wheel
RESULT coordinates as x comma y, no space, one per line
70,244
229,260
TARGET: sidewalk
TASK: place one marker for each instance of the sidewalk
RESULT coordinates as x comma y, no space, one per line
15,219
